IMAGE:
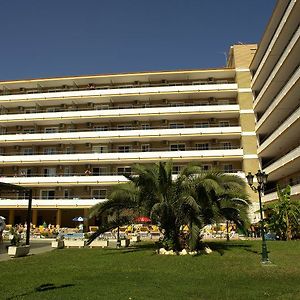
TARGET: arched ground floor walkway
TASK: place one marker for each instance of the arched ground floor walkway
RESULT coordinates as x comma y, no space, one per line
60,216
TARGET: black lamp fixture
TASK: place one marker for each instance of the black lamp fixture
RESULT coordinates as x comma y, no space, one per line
262,179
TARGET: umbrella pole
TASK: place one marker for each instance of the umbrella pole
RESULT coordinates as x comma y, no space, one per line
118,232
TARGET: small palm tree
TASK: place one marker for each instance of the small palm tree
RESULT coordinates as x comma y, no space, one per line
284,214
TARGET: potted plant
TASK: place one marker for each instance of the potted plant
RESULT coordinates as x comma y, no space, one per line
16,248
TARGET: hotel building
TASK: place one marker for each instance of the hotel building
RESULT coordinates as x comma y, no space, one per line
276,87
71,139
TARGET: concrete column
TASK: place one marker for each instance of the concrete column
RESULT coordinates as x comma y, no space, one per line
34,217
11,217
58,217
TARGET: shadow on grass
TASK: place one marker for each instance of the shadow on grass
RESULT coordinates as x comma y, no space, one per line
221,247
42,288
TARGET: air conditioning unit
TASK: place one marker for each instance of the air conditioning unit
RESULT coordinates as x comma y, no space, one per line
89,124
89,145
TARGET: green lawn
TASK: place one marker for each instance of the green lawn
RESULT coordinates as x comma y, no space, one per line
232,272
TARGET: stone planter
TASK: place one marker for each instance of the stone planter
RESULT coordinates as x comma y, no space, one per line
18,251
58,244
135,238
74,243
99,243
112,243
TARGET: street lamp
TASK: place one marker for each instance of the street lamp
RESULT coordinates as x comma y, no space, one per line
261,182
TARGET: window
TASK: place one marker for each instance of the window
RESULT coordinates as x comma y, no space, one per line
176,169
51,130
67,171
50,150
48,172
145,126
124,127
223,102
204,124
124,170
124,148
202,146
28,130
224,124
228,168
206,167
69,150
3,130
145,147
101,128
66,194
102,106
177,104
99,171
52,109
29,110
27,151
47,194
226,145
25,172
177,147
99,194
176,125
100,149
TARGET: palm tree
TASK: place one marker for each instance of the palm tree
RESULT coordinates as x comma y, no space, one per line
194,197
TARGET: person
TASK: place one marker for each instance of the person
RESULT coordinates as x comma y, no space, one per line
2,227
44,224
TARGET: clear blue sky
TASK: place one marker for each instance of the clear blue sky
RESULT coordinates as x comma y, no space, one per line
44,38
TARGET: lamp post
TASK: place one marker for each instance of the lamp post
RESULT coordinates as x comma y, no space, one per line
261,182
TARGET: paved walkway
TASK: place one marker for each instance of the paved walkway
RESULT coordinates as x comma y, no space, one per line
36,247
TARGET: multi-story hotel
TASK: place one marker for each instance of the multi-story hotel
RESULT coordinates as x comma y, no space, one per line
276,87
71,139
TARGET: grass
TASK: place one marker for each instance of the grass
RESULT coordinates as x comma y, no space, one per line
233,271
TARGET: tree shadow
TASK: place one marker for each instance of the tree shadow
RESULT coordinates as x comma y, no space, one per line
42,288
222,247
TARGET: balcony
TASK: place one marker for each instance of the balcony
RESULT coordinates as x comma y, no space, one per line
272,195
114,115
83,95
282,138
285,165
49,203
118,135
127,157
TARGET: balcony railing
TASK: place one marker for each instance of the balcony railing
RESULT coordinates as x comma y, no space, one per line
115,86
119,128
114,107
